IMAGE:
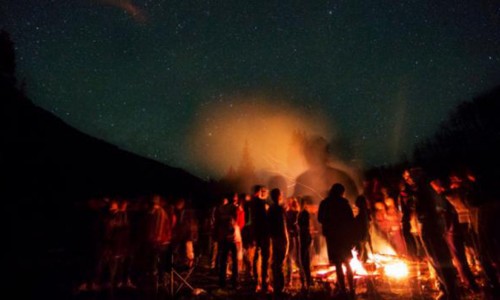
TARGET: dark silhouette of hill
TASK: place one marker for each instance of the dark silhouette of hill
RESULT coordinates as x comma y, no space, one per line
47,168
43,153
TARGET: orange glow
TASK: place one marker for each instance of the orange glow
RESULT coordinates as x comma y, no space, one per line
221,129
356,265
396,269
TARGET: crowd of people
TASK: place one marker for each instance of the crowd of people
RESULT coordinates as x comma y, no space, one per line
266,237
258,229
136,249
446,220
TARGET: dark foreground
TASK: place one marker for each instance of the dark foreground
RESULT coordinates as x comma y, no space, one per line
205,286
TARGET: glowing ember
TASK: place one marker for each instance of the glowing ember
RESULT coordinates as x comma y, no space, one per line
396,269
356,265
324,272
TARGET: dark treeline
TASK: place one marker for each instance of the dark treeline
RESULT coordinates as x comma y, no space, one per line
469,140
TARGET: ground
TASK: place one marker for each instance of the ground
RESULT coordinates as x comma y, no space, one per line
205,286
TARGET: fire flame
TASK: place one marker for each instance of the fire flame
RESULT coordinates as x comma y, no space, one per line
356,265
396,269
387,263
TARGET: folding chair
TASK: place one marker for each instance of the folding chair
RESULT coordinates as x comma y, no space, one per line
182,277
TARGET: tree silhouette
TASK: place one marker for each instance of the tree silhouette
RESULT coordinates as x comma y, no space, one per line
469,138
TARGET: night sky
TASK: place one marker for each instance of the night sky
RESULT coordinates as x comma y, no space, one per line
139,74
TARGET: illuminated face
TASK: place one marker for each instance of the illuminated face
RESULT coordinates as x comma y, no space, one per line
280,198
379,206
113,205
389,202
180,204
264,193
407,177
156,200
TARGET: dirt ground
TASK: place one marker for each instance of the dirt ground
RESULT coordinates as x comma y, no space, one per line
205,286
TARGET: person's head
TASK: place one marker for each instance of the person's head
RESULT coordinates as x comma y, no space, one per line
292,204
180,203
277,196
379,207
113,205
413,176
242,199
407,177
384,191
156,200
305,202
264,193
337,190
261,192
257,190
235,198
389,203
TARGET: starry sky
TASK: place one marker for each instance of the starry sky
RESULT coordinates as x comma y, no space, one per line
381,74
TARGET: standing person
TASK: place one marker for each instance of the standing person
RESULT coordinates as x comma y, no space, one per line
114,246
225,223
279,239
337,220
260,228
393,218
214,247
453,235
431,233
362,225
184,233
247,237
483,213
158,232
124,273
240,223
292,228
305,242
406,204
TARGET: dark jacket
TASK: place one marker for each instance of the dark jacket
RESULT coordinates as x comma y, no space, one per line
276,222
337,220
304,227
291,223
258,217
225,220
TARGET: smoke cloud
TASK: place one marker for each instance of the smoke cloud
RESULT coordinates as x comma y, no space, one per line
268,127
272,129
